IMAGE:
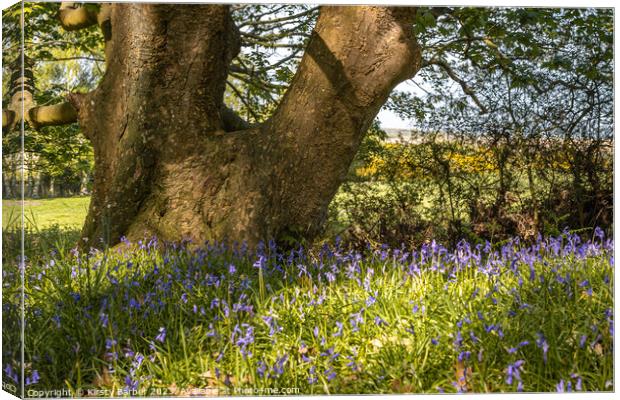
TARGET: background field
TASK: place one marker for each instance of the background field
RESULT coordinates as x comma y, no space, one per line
68,212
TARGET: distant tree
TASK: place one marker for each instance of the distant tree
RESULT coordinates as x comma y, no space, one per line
539,94
55,62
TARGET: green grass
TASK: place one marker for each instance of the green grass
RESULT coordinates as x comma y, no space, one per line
66,212
408,323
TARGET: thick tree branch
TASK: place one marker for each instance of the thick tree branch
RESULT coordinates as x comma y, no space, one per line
354,59
40,116
73,17
356,55
8,117
23,105
57,114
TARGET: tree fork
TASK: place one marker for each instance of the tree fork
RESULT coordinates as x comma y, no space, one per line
164,162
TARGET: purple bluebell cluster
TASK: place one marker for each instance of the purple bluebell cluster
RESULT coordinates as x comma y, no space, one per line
330,315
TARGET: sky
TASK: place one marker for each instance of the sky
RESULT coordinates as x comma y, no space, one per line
388,119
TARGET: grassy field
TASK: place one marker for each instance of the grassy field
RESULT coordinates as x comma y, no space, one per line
143,319
43,213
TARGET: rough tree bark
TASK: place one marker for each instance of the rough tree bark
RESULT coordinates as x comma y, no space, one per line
165,164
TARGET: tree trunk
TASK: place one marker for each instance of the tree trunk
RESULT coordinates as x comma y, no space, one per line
163,164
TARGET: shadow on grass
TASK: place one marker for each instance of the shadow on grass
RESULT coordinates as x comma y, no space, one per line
38,243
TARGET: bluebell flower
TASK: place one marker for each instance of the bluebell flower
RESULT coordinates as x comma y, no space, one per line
161,337
458,341
560,386
379,321
312,375
352,364
331,353
130,384
56,319
33,379
599,233
512,371
273,325
578,385
464,355
244,338
278,366
339,331
260,263
10,373
133,303
541,342
330,374
261,368
356,319
139,358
